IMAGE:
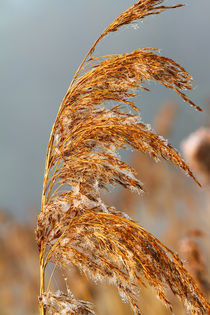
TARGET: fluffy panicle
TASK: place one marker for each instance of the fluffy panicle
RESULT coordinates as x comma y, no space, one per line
138,11
60,303
109,247
75,226
80,152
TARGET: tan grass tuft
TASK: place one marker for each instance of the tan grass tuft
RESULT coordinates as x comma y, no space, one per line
75,226
109,247
62,303
138,11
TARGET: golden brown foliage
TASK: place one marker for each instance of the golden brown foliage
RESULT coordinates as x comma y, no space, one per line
61,303
139,10
75,225
109,246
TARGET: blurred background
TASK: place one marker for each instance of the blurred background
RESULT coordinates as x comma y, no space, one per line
42,44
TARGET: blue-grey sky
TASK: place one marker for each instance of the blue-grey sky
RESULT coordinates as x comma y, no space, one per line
43,43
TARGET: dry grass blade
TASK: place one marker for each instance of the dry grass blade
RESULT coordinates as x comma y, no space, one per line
75,226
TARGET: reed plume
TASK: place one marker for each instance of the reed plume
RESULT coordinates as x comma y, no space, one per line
75,227
196,149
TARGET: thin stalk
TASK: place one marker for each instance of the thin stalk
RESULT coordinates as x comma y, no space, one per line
42,283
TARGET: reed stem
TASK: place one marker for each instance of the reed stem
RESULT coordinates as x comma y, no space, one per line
42,283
